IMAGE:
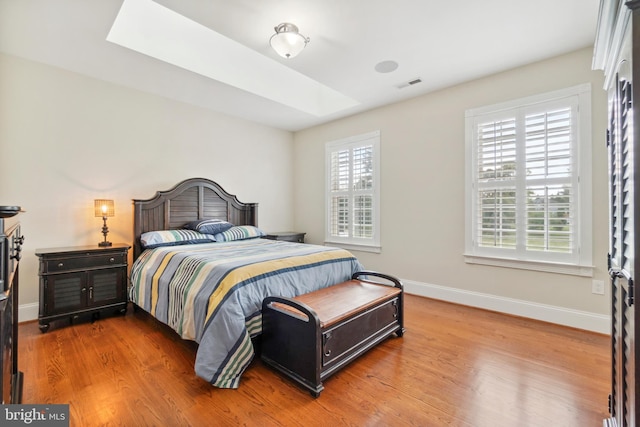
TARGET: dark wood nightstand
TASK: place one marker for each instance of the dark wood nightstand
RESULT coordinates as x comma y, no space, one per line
81,279
289,236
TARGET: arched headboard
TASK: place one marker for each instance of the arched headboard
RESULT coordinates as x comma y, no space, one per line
190,200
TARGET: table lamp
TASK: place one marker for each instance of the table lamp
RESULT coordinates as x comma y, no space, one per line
104,208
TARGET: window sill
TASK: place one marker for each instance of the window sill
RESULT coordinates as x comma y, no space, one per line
547,267
354,247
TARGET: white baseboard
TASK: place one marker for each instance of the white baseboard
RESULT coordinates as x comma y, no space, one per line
27,312
548,313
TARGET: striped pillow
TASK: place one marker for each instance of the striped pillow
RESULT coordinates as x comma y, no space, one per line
154,239
209,226
240,232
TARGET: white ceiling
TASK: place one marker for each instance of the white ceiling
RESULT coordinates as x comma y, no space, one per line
443,43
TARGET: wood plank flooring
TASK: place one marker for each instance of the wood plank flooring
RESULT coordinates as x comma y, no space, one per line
455,366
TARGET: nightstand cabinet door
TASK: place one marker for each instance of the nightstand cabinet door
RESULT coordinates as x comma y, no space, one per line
79,280
107,286
64,292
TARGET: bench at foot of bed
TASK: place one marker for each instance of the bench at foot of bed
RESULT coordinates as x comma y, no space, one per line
312,336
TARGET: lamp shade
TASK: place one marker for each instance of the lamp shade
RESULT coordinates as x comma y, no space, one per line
104,207
287,41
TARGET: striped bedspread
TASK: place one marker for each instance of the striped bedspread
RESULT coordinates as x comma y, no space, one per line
212,293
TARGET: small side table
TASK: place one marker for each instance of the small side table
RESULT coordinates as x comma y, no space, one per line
81,279
289,236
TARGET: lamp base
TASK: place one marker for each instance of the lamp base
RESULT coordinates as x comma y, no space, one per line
105,231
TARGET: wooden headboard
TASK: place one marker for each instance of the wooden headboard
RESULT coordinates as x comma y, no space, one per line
190,200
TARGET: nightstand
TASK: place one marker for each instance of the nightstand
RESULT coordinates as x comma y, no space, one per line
81,279
289,236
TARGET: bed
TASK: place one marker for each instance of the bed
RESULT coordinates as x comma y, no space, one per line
210,289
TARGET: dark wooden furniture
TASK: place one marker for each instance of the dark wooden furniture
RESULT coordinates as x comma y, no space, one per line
288,236
312,336
190,200
11,240
617,51
80,280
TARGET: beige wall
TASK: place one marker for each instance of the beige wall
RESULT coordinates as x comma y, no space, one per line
423,189
66,139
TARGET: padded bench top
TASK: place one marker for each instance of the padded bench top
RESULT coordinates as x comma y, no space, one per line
338,302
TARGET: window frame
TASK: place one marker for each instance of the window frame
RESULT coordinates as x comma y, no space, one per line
354,243
579,262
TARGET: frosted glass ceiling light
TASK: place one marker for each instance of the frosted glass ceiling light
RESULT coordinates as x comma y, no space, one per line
287,41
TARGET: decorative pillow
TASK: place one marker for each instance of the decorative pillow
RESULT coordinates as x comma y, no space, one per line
153,239
239,232
209,226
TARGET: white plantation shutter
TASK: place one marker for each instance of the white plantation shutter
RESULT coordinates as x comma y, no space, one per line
523,185
339,183
352,197
496,183
549,158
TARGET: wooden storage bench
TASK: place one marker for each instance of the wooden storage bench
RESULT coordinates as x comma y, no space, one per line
310,337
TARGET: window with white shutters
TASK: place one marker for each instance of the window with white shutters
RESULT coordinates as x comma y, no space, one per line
352,198
528,204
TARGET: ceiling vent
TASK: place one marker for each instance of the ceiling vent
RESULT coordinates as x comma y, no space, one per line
410,83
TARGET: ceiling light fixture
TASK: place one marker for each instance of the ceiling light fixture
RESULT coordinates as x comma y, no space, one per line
287,41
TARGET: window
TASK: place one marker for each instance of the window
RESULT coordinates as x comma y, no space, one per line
528,183
353,192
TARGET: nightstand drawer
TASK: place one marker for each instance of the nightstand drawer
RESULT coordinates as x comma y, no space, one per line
63,264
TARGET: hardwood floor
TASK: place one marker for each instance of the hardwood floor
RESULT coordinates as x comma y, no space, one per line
455,366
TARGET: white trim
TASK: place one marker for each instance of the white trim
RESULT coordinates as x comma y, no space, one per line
606,24
353,247
594,322
612,56
530,100
548,267
354,139
28,312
